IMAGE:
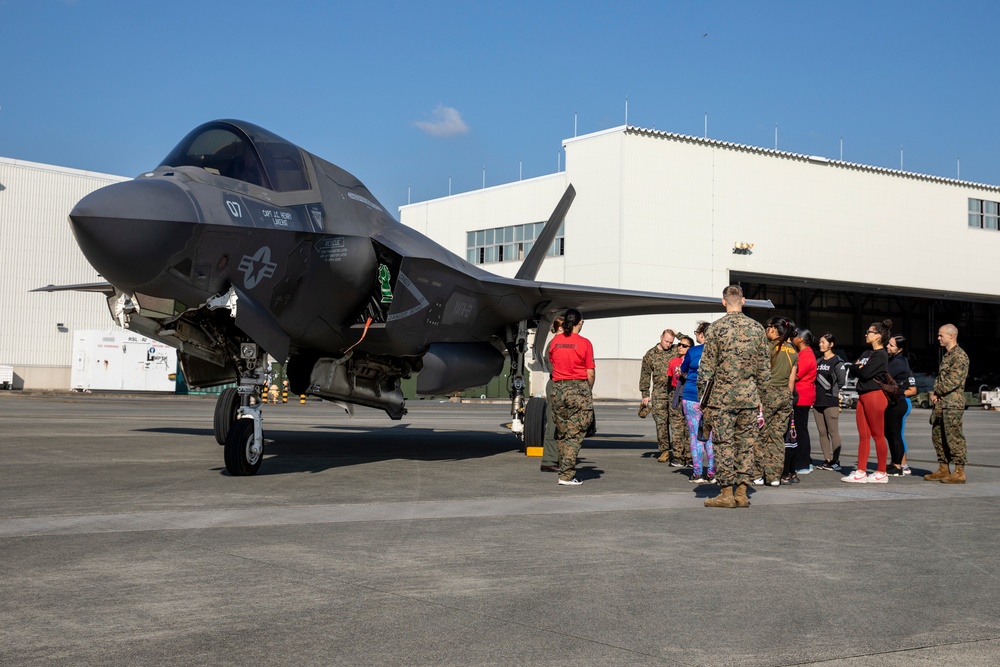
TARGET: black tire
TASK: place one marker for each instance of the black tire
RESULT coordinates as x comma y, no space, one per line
240,462
225,413
535,418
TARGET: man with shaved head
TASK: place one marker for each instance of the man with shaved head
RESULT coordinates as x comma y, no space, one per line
948,399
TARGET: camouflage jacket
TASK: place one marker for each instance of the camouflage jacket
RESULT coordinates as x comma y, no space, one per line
654,364
736,357
950,383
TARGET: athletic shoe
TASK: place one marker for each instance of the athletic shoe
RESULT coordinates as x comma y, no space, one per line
774,482
676,464
835,467
570,482
698,479
825,465
857,477
805,471
907,471
758,482
878,478
893,471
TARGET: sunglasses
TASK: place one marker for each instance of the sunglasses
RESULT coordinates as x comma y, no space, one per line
684,345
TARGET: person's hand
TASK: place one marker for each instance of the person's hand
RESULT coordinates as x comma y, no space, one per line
934,397
645,401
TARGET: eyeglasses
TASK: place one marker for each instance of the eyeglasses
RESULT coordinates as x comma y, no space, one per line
870,331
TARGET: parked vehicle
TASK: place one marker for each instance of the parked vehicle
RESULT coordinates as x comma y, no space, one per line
6,376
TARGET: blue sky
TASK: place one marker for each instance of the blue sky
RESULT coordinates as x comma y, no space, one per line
407,94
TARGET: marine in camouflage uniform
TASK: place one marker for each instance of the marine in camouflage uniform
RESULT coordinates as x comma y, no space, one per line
735,358
654,372
680,437
572,412
949,406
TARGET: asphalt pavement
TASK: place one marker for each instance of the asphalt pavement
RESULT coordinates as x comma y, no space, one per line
436,541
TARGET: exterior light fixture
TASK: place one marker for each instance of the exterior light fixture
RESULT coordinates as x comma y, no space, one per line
742,248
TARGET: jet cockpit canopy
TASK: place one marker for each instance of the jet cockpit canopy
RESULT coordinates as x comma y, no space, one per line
242,151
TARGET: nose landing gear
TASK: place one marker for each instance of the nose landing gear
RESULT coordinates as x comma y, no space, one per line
243,425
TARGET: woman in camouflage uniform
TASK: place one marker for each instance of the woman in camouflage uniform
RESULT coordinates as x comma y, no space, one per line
777,402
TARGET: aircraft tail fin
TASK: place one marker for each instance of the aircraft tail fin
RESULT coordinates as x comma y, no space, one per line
533,262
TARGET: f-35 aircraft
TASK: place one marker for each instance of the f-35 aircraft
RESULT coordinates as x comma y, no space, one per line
242,245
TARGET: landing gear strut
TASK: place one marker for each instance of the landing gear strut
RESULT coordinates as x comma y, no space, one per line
517,344
244,446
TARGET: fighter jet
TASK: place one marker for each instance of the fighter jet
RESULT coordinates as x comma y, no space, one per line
240,245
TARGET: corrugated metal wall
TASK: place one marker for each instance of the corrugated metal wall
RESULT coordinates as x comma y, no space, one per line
38,249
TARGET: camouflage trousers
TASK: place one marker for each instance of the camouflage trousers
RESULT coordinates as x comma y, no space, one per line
550,453
660,407
734,434
573,412
769,456
680,437
947,435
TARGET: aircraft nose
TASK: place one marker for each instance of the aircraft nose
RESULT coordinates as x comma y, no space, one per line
130,231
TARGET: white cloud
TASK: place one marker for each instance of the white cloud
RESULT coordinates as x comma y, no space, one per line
446,122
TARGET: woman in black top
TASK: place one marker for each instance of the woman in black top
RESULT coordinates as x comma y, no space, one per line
895,413
827,403
870,415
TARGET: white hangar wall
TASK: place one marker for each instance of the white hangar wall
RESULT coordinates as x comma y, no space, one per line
38,249
660,211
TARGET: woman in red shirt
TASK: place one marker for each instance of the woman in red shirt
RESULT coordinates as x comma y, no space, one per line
805,387
573,373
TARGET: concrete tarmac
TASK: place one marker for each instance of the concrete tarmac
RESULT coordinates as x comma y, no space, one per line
434,541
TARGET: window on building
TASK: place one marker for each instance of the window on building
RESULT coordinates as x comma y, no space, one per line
509,244
984,214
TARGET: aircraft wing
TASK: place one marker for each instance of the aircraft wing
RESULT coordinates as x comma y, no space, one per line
598,302
105,288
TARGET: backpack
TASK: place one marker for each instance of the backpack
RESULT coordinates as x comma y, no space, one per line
889,388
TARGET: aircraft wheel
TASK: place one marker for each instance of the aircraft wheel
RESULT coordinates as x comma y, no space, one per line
535,417
241,460
225,413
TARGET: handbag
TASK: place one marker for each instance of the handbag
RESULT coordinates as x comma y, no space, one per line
705,429
791,434
890,388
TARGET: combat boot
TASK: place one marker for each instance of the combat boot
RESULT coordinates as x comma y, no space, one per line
942,472
741,496
957,477
724,499
664,456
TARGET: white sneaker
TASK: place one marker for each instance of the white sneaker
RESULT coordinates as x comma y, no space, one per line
570,482
805,471
758,482
878,478
774,482
858,477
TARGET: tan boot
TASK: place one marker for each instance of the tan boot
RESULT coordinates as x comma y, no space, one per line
741,496
942,472
958,477
724,499
664,456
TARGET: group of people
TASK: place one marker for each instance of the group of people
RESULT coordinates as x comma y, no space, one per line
734,401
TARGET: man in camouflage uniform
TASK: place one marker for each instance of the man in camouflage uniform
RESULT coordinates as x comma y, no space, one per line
735,361
948,399
654,367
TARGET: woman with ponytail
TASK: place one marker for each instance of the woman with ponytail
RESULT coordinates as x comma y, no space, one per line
572,408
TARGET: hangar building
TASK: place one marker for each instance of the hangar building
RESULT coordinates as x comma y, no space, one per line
834,245
38,249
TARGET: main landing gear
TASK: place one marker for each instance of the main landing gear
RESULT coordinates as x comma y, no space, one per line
238,424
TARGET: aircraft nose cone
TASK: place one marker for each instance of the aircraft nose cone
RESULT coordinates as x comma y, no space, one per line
131,231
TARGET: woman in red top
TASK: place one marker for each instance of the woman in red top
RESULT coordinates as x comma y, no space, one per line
573,373
805,387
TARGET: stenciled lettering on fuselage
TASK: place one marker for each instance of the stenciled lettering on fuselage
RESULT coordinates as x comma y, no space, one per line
332,248
364,200
257,268
412,289
244,212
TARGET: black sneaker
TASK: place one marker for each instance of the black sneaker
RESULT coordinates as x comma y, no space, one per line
893,471
835,466
825,465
